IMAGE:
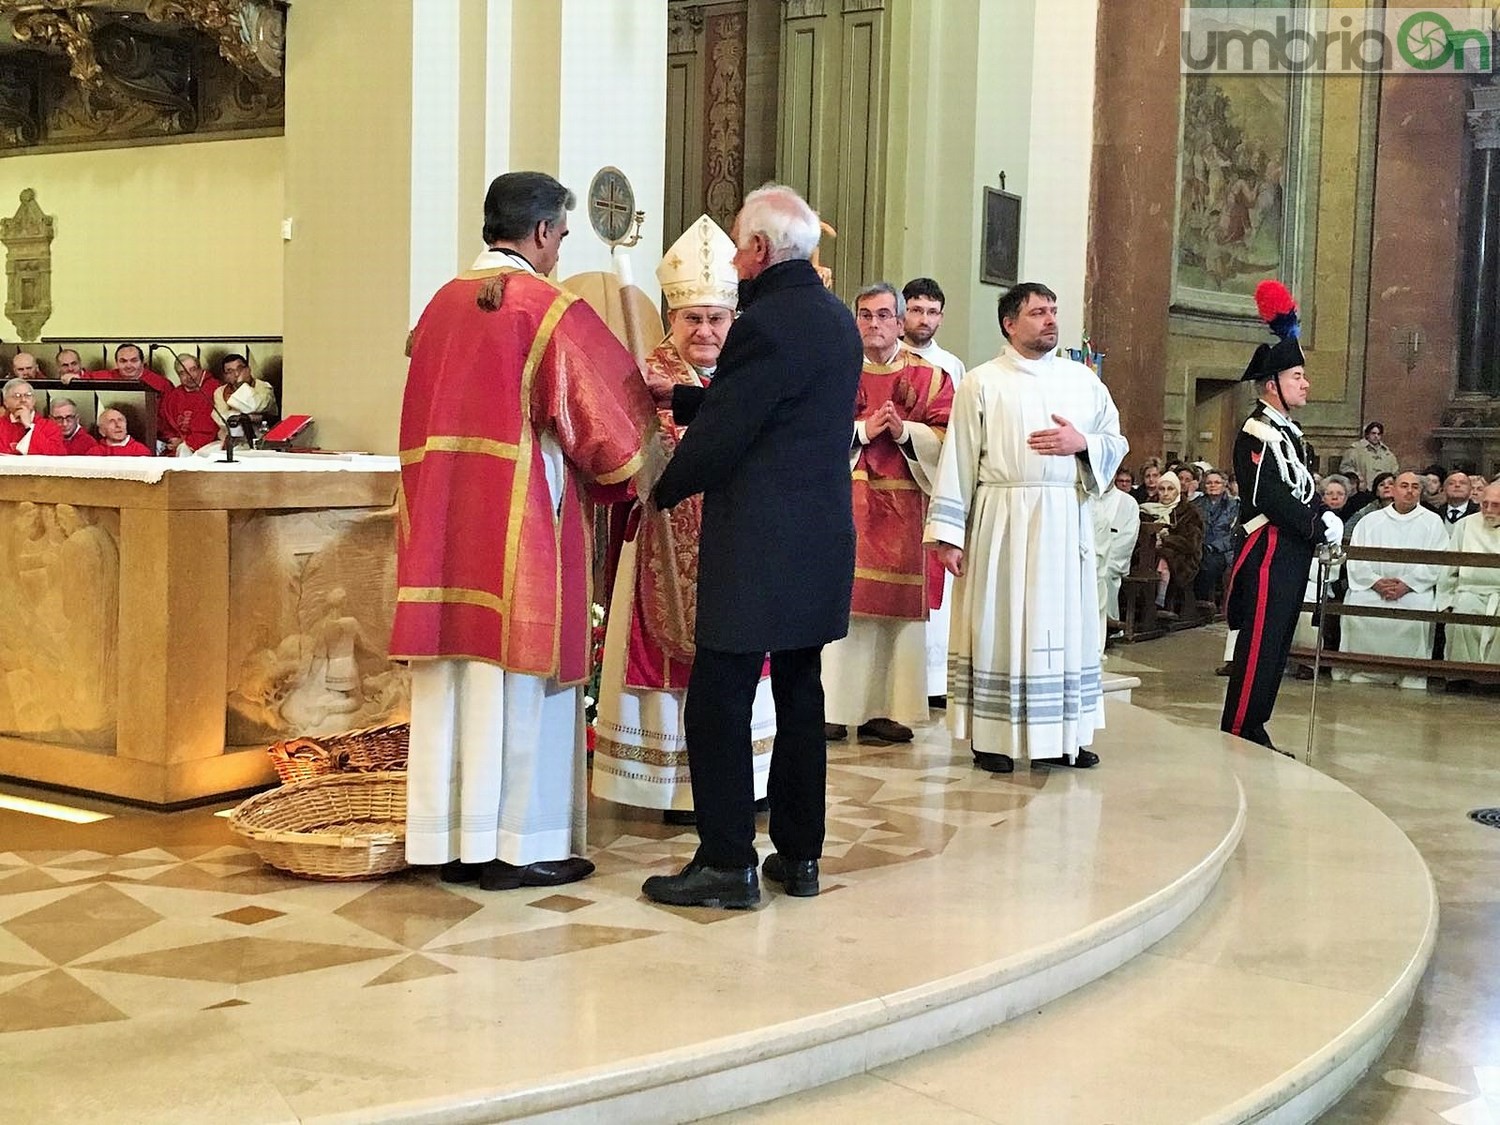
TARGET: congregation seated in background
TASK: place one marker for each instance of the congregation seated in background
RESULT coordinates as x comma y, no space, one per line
77,441
1220,512
1475,589
1145,492
23,365
1457,499
1405,585
22,431
115,439
1179,545
185,418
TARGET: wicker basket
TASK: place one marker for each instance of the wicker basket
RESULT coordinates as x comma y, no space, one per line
372,750
342,826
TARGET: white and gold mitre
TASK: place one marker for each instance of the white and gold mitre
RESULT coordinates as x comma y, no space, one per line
699,268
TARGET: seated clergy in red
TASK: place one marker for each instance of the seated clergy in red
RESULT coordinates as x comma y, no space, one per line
876,677
130,367
115,437
185,414
77,441
21,431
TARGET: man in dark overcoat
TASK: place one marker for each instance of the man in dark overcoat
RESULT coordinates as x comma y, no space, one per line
768,446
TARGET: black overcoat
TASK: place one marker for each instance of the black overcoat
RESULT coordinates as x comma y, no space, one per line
768,446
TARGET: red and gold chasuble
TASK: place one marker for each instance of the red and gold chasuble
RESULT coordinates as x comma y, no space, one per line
487,567
664,607
890,508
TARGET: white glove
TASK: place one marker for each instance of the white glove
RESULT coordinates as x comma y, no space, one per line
1333,529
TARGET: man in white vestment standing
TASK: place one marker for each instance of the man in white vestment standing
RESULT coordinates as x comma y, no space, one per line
925,303
1405,524
1117,526
1475,589
1032,435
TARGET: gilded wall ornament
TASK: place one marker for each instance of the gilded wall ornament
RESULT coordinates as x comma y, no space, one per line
27,236
251,36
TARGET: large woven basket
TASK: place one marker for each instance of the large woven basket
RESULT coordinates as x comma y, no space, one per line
342,826
372,750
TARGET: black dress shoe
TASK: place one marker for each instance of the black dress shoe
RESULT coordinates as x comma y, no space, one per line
763,806
733,888
938,702
1225,669
457,871
498,875
682,818
884,730
1084,759
798,877
835,732
994,763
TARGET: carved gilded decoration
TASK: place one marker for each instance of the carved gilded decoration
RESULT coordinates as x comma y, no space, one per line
69,31
724,149
58,668
27,236
250,36
311,599
92,74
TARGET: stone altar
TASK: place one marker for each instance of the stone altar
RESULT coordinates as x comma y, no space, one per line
173,619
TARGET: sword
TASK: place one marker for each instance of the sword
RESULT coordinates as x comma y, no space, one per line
1329,555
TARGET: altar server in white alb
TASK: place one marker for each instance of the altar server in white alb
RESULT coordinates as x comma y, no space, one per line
1406,524
925,302
1117,526
1475,589
641,757
1031,437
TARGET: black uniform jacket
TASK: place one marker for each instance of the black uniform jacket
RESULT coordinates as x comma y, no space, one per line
768,446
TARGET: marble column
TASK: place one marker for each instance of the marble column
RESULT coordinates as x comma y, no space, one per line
1129,286
1479,344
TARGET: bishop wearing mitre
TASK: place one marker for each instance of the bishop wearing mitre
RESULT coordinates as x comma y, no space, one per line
640,752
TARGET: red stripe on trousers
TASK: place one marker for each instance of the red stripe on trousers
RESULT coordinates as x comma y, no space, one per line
1255,637
1238,562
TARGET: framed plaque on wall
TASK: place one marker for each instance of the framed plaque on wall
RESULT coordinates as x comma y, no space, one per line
1000,259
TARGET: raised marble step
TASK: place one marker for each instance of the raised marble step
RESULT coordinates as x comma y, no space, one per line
1265,1006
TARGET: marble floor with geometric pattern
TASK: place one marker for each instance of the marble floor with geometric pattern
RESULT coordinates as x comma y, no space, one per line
190,983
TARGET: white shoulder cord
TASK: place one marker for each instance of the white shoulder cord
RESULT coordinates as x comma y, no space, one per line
1297,475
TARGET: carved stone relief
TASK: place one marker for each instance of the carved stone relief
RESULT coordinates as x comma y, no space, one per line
27,236
58,631
311,599
805,9
683,24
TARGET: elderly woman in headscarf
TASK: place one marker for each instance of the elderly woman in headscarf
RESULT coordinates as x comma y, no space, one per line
1179,545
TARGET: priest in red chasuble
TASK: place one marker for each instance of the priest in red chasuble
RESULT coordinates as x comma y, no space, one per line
22,430
876,677
640,756
185,413
520,406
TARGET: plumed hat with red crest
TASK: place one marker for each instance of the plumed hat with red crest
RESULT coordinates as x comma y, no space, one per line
1278,308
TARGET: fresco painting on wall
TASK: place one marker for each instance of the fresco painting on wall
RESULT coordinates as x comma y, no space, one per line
1233,199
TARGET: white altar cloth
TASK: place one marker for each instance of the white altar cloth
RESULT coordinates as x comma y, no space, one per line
151,470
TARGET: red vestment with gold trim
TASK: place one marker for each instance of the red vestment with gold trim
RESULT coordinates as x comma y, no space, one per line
487,567
664,605
890,507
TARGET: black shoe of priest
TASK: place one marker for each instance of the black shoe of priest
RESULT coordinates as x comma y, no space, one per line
994,763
